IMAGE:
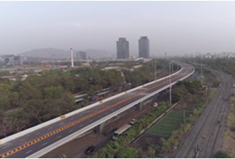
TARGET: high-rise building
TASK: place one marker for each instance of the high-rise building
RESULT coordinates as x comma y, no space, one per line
144,47
13,59
122,48
81,55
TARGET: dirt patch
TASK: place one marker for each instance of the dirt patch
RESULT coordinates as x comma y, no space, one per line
142,142
229,142
229,137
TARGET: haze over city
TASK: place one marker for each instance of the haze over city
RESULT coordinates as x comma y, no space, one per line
117,79
172,27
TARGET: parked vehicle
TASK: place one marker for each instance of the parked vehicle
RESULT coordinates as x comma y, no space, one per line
119,131
155,104
132,122
90,149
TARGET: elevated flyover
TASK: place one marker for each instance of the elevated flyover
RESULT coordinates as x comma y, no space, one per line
41,139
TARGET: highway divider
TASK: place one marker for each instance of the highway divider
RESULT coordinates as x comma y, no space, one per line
58,119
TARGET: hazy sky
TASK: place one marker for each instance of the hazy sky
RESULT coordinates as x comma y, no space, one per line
172,27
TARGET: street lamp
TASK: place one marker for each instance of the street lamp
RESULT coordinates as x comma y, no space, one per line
170,80
201,65
177,64
155,70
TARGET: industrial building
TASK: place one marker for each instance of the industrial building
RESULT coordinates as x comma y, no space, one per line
81,55
12,59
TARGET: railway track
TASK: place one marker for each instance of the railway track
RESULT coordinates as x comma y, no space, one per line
209,148
203,138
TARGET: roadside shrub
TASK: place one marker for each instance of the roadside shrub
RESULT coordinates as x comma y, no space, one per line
221,154
119,148
232,128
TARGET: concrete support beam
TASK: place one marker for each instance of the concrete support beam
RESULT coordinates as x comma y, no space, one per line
140,105
100,128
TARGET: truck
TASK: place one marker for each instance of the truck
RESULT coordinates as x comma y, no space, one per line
119,131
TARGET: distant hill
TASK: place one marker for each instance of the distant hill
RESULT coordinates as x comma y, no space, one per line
53,53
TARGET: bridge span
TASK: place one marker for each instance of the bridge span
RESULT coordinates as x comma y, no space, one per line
43,138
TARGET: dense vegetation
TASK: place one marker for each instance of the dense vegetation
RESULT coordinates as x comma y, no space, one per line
222,64
147,72
42,97
183,87
121,147
198,98
221,154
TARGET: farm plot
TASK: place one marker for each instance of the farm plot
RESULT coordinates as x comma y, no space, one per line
168,124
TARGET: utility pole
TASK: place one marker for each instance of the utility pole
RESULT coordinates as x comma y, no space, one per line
177,63
155,70
201,65
184,119
170,80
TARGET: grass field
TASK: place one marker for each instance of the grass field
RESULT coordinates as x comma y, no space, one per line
168,124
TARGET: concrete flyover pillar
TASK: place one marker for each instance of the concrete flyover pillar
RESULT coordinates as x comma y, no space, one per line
140,105
100,128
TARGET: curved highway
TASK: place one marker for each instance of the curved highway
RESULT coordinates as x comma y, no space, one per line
29,144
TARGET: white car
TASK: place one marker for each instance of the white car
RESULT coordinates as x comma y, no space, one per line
155,104
132,121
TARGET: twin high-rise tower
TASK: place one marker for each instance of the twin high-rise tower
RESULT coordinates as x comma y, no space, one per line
123,48
144,47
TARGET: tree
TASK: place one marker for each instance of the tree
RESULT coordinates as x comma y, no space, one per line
5,86
5,126
128,152
53,92
67,82
151,152
68,102
28,92
16,119
4,103
82,84
35,109
14,99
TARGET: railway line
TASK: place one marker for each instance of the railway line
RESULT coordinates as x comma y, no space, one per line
206,136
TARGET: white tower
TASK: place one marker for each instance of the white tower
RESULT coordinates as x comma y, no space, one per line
71,50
